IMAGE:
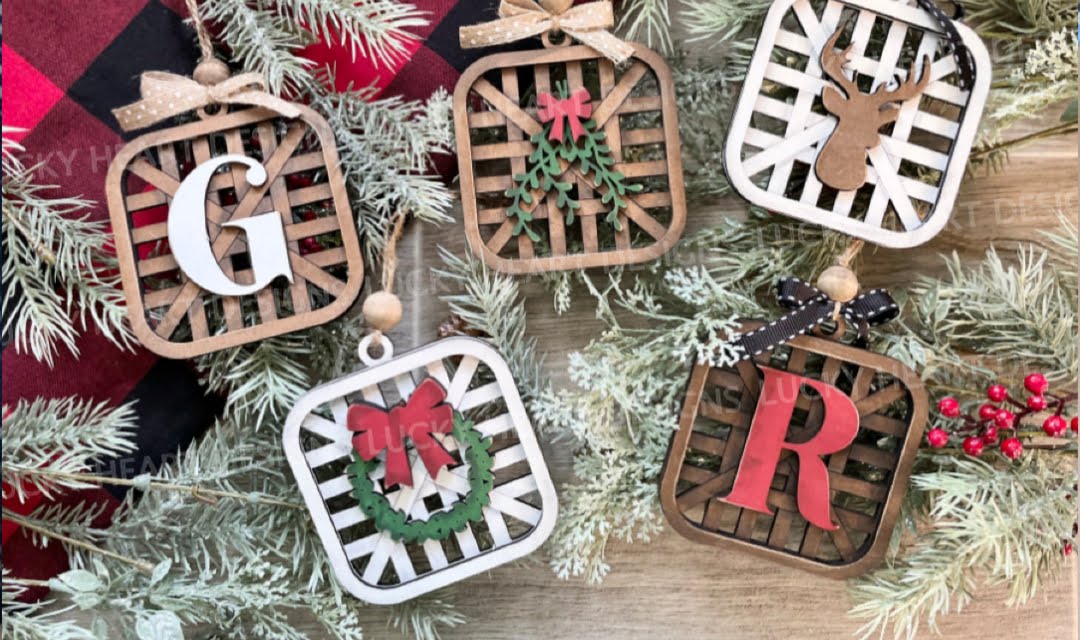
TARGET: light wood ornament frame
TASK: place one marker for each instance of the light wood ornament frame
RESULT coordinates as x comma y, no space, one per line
713,426
913,175
148,170
655,218
368,563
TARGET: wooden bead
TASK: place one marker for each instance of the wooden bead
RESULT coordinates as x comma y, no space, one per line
557,6
211,72
839,283
382,311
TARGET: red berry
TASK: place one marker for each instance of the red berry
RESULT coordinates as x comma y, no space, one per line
949,407
990,434
1067,549
298,181
1036,383
1073,424
1036,403
997,393
1012,448
973,446
1055,426
937,437
310,245
1004,418
987,412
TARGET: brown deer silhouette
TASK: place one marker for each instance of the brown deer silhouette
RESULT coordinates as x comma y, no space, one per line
842,161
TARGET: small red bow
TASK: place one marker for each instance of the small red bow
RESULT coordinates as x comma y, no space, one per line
422,415
574,108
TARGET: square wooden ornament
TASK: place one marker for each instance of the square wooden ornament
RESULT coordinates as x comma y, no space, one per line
495,110
780,124
170,312
867,479
370,563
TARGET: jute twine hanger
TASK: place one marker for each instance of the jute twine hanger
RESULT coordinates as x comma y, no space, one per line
382,310
839,281
165,95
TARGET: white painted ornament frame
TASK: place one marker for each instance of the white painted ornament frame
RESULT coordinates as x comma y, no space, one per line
762,165
326,498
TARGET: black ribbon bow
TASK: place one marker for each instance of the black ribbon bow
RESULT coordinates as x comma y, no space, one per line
810,307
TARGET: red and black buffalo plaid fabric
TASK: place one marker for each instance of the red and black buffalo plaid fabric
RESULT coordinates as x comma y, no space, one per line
67,64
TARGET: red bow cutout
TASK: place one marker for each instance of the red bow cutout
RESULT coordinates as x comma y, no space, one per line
574,108
422,415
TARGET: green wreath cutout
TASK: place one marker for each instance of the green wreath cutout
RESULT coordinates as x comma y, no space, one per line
443,523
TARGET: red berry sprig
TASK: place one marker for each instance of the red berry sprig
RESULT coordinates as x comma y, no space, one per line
1004,414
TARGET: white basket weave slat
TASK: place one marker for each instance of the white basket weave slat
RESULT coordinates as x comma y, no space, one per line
335,487
437,370
332,431
494,426
348,517
462,377
480,396
500,535
327,453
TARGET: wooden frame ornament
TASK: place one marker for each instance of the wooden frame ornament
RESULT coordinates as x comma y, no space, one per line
372,564
780,125
496,117
867,478
297,159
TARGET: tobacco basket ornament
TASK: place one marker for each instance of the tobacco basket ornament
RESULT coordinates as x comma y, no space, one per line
842,425
605,190
233,227
800,133
421,470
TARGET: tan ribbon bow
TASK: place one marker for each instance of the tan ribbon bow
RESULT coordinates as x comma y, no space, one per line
520,19
165,95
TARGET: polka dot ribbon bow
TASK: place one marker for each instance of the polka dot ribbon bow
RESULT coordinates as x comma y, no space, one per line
165,95
810,307
519,19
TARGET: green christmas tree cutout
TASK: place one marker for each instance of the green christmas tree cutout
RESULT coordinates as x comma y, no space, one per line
567,139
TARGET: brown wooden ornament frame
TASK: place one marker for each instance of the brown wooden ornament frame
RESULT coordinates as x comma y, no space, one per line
690,493
306,145
509,110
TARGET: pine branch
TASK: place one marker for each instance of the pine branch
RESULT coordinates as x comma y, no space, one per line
378,30
423,617
239,569
391,171
647,21
143,482
261,39
43,529
59,276
35,621
1015,310
67,435
1021,19
1008,523
721,20
262,379
491,303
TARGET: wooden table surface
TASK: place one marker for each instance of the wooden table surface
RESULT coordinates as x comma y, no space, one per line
672,588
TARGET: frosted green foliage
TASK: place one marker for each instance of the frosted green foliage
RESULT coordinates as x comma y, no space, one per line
60,278
999,526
